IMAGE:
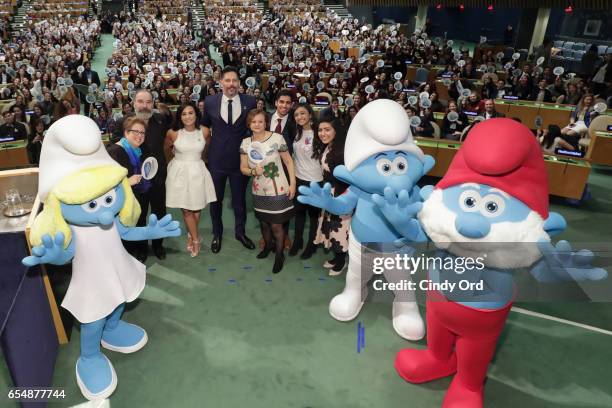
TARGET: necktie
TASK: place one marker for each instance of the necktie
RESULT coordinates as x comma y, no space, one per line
279,128
229,112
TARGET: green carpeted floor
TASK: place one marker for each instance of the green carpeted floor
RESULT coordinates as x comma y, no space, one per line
225,332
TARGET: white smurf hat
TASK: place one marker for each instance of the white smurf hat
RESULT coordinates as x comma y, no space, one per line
72,143
380,126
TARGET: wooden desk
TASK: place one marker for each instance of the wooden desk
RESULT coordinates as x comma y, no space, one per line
600,149
14,154
566,177
527,111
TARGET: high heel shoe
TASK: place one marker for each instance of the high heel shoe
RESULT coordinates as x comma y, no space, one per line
279,260
195,249
264,253
189,243
295,248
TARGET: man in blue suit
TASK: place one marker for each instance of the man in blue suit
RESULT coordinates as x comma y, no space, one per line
225,116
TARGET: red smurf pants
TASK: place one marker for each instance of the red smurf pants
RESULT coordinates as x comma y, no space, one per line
460,340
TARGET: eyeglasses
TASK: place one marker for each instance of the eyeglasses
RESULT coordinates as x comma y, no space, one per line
138,132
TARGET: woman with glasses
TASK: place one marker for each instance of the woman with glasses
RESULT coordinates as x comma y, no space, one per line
130,152
189,185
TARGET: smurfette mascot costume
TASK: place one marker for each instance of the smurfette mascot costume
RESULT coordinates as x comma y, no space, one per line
88,208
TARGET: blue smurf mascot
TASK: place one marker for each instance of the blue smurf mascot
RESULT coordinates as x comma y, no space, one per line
89,208
380,158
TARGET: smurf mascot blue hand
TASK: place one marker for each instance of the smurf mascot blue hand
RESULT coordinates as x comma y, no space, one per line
381,158
88,208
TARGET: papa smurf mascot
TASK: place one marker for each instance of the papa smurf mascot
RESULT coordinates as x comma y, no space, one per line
493,199
380,155
89,208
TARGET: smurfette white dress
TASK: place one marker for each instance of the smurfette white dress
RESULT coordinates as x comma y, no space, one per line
104,274
188,183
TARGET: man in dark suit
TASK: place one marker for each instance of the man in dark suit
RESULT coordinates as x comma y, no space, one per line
489,110
225,116
282,120
157,126
88,77
12,130
332,111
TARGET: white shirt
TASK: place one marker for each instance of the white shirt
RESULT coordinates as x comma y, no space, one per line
306,168
274,122
236,108
600,76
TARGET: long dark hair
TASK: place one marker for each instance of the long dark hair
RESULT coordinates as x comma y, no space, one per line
178,123
317,144
335,157
553,132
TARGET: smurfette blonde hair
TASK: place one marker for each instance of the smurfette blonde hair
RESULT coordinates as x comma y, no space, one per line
78,188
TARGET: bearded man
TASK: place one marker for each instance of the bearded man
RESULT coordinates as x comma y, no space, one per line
157,126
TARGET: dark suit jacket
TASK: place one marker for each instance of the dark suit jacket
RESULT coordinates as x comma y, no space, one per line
495,114
289,131
224,152
95,79
16,130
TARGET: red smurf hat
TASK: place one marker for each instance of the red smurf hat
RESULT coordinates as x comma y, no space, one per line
504,154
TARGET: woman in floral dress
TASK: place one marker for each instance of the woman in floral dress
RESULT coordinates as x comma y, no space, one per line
260,158
333,230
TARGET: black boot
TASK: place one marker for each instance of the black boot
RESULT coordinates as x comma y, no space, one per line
295,248
309,251
279,260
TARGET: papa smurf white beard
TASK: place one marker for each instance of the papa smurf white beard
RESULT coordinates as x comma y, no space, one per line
508,245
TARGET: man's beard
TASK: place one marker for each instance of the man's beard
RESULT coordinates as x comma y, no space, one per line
508,245
144,114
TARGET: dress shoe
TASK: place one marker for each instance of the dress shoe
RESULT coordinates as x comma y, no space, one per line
215,246
160,252
330,264
309,251
141,256
279,260
264,253
245,241
295,248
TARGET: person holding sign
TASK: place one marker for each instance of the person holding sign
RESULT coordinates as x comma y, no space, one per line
454,122
189,185
131,153
260,158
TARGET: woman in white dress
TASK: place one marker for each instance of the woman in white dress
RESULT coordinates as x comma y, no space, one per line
188,184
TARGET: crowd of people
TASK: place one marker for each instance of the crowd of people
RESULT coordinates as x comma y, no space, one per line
272,71
39,67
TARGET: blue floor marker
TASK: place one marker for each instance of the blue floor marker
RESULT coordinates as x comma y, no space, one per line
298,279
232,281
360,337
268,280
322,279
307,267
247,267
212,269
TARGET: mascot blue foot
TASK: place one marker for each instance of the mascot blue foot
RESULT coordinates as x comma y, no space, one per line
124,338
96,376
